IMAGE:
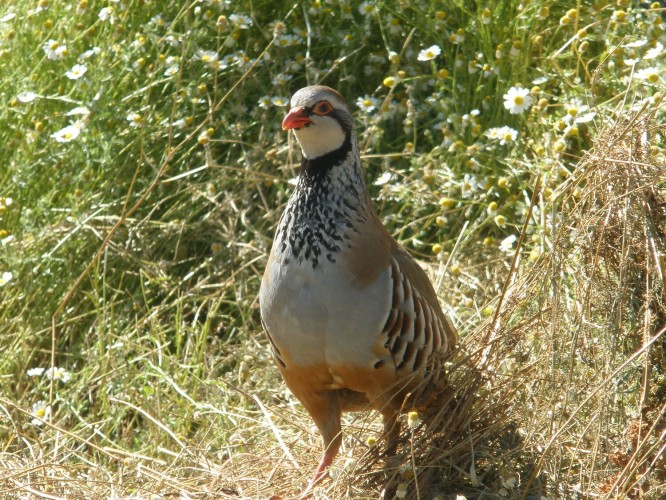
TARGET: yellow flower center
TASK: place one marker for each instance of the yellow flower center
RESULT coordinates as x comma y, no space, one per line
518,100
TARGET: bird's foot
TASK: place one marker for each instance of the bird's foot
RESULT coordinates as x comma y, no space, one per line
319,475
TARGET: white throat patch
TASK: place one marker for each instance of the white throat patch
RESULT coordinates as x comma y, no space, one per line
322,136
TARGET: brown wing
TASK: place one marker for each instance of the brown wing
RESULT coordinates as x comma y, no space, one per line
416,328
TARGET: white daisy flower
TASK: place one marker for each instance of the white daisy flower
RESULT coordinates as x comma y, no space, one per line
493,133
517,100
56,373
79,111
636,43
368,103
650,75
5,278
26,96
654,52
413,420
504,134
468,186
107,14
240,21
89,53
35,372
280,79
507,243
77,71
279,101
40,412
430,53
180,123
458,37
286,40
576,112
171,70
385,178
68,134
264,102
54,49
209,58
366,8
507,135
135,120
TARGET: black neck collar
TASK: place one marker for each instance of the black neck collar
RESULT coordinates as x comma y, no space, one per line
320,166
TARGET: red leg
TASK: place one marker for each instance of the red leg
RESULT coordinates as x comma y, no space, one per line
320,473
325,411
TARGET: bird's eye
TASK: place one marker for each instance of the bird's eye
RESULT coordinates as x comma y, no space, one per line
322,108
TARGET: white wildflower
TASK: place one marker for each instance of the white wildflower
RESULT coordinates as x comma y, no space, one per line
69,133
264,102
366,8
430,53
368,103
5,278
79,111
649,75
77,71
385,178
107,14
209,58
54,49
26,96
35,372
40,412
468,186
507,135
279,101
56,373
135,120
654,52
507,243
517,100
413,420
240,21
89,53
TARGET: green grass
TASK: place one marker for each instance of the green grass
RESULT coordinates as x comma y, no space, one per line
136,249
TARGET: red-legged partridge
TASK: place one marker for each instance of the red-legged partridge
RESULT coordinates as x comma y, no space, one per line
353,321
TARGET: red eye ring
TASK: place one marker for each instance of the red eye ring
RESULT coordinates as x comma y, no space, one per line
322,108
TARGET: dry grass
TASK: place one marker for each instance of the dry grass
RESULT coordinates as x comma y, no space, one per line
560,393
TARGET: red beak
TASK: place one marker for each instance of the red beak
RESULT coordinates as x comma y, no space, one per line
295,119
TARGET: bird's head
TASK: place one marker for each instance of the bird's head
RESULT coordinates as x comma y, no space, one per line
320,120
